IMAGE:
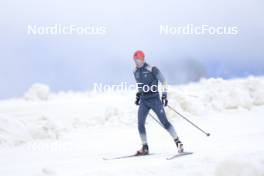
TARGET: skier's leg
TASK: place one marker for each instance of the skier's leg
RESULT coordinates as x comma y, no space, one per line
143,111
157,107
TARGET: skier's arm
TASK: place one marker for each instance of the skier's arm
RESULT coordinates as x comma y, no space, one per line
138,94
161,79
138,84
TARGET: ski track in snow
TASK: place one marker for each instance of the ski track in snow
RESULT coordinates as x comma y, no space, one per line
68,134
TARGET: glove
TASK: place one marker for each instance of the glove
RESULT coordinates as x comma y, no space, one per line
137,98
164,99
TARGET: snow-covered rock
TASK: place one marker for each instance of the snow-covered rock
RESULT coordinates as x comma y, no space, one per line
37,92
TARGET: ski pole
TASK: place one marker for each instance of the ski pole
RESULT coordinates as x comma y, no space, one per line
207,134
156,120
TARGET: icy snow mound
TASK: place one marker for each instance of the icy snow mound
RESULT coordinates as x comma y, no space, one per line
218,95
14,131
45,115
37,92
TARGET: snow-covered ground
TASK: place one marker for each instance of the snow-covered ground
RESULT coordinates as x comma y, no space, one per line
68,133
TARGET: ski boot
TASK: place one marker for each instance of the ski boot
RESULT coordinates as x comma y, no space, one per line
179,145
143,151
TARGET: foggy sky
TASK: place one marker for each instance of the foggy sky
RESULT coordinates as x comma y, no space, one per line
76,62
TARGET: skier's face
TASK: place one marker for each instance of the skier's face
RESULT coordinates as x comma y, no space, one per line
139,62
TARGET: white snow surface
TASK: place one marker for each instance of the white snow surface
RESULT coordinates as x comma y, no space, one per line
68,133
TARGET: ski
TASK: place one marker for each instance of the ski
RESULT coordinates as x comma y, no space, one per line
179,155
126,156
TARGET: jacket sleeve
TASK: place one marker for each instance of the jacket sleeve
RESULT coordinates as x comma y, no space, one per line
156,72
138,85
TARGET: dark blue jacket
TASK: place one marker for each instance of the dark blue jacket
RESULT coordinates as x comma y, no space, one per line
148,76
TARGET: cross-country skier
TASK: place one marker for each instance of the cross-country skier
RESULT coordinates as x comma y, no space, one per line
148,97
